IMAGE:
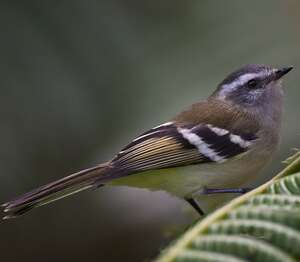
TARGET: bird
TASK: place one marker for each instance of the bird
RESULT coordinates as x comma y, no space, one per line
214,146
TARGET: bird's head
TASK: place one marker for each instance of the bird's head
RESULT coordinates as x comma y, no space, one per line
252,86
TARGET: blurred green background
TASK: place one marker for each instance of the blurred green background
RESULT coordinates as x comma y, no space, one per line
79,79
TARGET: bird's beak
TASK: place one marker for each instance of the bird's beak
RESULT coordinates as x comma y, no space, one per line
281,72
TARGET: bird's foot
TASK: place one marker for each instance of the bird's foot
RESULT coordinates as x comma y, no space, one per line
208,191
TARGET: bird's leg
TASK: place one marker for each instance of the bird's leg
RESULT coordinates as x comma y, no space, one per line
193,202
207,191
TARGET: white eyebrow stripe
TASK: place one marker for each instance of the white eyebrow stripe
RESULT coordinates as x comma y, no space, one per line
243,79
203,148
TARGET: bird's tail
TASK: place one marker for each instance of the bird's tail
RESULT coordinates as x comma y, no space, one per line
56,190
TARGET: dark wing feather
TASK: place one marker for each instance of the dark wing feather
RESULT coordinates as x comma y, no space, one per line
165,147
158,149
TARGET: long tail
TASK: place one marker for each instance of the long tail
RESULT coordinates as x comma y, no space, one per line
56,190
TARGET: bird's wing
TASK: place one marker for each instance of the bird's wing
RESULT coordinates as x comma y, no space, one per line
173,145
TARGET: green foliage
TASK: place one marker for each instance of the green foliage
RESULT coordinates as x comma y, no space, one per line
262,225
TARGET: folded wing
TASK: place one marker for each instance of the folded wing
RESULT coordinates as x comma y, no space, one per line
171,145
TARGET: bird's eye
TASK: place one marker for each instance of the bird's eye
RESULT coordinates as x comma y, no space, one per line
252,83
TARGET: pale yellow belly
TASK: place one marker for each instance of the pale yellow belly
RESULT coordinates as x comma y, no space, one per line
184,181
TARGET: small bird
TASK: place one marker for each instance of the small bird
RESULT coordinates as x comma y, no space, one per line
215,146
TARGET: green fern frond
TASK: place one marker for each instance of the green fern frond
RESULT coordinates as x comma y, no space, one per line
262,225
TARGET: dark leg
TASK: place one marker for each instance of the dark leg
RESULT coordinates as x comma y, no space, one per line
207,191
195,205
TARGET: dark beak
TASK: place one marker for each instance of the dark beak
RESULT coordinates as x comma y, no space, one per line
282,71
